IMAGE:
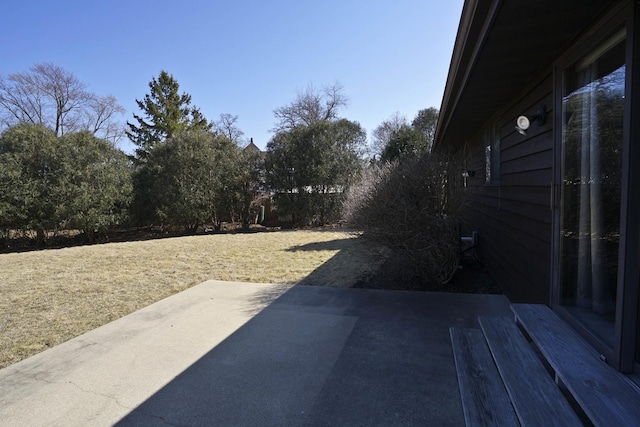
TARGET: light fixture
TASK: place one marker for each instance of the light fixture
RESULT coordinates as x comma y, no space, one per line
466,175
524,122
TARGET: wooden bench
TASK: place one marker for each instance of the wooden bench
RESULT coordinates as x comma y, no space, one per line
501,376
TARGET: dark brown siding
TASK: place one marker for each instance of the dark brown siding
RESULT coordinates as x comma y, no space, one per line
513,217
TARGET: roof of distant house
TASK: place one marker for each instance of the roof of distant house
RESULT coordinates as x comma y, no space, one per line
253,147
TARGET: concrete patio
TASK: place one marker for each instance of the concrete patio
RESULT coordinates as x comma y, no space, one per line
246,354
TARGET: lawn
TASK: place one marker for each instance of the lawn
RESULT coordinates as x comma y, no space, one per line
50,296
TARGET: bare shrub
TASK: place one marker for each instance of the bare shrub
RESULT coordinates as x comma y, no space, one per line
413,205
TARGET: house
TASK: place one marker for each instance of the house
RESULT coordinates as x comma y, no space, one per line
253,148
262,197
541,110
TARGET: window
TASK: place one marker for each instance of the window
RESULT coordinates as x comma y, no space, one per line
592,138
487,164
492,155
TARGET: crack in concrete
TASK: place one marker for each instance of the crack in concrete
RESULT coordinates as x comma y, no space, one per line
95,393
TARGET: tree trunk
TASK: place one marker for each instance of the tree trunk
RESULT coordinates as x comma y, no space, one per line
91,235
40,236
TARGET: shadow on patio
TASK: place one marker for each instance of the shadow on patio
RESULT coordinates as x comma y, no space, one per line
327,356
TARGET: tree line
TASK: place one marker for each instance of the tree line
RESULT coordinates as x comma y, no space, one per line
50,182
60,167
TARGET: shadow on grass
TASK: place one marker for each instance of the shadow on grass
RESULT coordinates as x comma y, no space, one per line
73,238
362,264
331,245
355,261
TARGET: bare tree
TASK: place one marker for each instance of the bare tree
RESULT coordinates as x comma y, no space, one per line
68,94
311,106
227,127
20,101
51,96
384,132
100,118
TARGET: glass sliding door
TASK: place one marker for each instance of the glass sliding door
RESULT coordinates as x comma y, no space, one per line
592,139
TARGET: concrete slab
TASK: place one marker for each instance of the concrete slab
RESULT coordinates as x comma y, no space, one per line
239,354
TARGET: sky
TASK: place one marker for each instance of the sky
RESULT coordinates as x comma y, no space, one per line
243,57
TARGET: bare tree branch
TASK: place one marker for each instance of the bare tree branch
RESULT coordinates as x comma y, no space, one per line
64,90
227,127
311,106
383,133
100,118
53,97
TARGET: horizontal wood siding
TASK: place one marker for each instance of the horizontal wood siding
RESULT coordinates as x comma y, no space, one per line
513,217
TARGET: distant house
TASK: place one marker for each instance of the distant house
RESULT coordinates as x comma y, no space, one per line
262,197
541,108
252,147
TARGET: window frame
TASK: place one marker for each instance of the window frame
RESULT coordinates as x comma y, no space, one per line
492,155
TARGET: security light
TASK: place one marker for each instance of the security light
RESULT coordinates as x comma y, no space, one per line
523,122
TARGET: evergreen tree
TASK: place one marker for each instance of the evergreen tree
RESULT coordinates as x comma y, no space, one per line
396,138
406,141
34,165
48,182
166,113
311,167
189,172
98,189
426,121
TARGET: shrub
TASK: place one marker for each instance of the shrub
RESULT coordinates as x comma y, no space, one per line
411,204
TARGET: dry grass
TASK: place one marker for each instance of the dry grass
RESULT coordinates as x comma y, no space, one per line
50,296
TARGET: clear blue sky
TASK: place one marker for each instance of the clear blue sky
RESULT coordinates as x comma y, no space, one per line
243,57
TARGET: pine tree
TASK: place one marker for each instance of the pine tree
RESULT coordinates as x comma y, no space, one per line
165,114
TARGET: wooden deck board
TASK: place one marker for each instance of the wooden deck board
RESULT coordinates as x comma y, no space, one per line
604,394
484,398
536,398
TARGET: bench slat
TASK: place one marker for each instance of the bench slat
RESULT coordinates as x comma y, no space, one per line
536,398
484,399
604,394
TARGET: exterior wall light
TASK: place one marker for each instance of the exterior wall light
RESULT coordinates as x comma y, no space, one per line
524,122
466,175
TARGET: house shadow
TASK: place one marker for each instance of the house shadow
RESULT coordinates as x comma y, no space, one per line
355,262
316,355
331,245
